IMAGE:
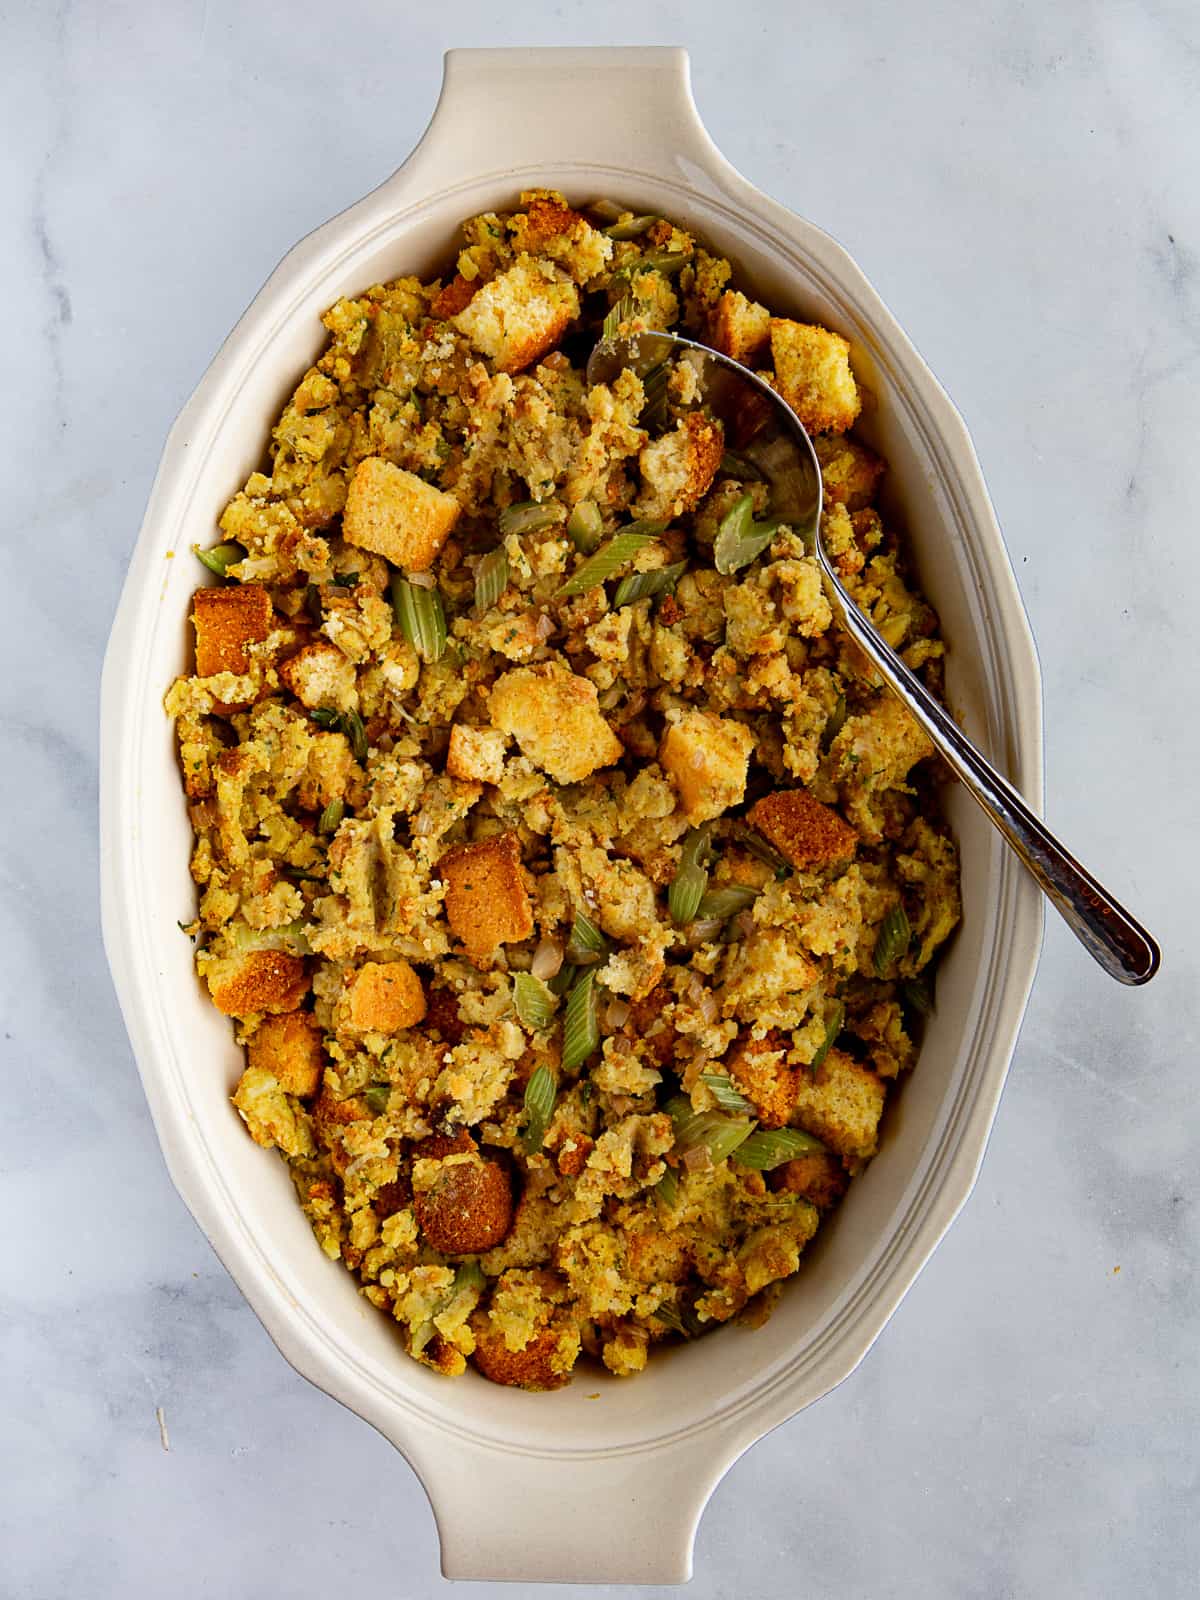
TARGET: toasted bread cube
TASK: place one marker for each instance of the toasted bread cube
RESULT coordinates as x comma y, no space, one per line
708,758
320,675
850,472
467,1206
555,717
678,468
759,1069
226,621
545,1362
805,832
487,902
289,1048
396,515
739,327
819,1177
841,1106
385,997
550,228
812,373
257,980
520,314
476,754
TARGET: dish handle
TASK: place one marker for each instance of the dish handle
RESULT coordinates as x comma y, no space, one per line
527,110
618,1517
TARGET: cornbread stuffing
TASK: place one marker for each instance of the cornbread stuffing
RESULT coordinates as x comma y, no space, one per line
574,900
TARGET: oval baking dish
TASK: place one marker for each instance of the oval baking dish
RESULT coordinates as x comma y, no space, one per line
627,1467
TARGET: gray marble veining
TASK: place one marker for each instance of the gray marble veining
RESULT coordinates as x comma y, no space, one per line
1020,184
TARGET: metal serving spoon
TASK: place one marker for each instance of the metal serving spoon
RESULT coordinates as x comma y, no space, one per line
762,427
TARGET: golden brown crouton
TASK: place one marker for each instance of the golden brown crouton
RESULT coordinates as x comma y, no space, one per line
550,228
385,997
487,903
456,296
678,468
397,515
520,314
320,675
759,1069
555,717
812,373
226,621
739,327
289,1047
476,754
257,980
841,1106
849,471
819,1177
469,1206
805,832
708,758
538,1366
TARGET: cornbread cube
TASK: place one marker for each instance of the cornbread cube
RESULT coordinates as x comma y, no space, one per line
819,1177
272,1116
524,1338
707,757
850,472
320,675
812,373
678,468
555,718
385,997
256,980
289,1048
759,1069
476,754
487,903
841,1106
226,621
739,327
468,1206
550,228
397,515
805,832
520,314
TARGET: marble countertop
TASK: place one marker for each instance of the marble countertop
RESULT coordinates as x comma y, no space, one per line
1021,188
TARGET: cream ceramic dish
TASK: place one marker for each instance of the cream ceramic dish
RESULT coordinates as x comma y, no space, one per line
605,1481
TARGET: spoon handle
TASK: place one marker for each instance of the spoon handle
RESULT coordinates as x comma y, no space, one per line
1105,929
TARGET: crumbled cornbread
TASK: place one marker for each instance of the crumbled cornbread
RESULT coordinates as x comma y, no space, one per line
532,895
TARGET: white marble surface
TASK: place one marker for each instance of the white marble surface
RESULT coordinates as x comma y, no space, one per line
1022,189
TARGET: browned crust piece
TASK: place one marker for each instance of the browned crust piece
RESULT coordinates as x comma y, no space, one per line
456,296
469,1209
265,980
805,832
226,622
759,1069
708,447
487,903
289,1047
530,1368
